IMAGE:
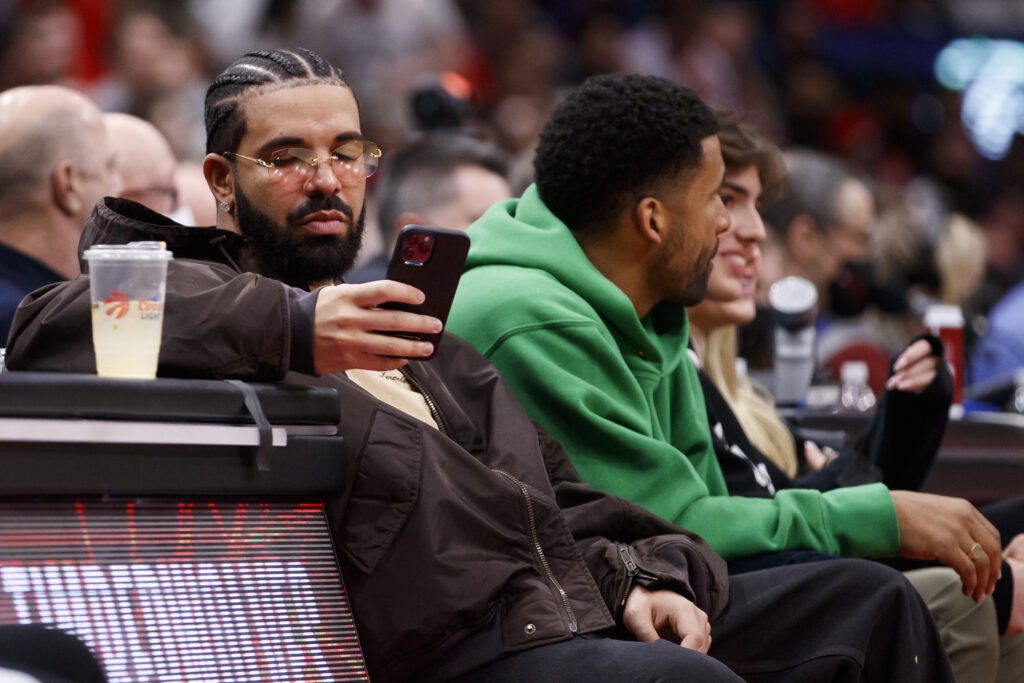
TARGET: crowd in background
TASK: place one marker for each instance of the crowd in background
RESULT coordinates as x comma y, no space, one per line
857,80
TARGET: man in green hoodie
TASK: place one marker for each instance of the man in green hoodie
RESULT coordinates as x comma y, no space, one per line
577,293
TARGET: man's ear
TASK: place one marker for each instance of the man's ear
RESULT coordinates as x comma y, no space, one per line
64,186
802,238
220,177
650,220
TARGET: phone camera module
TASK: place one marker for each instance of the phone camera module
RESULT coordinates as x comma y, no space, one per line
417,247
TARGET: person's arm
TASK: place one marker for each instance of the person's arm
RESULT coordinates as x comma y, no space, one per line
646,551
574,381
219,323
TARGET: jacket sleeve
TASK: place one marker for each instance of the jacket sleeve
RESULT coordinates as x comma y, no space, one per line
217,323
573,380
646,549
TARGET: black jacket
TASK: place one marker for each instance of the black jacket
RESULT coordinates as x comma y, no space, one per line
457,545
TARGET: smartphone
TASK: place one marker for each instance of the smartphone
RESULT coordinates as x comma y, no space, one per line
431,260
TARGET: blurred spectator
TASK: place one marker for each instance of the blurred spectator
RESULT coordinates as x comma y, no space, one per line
1003,224
960,260
706,46
39,43
517,62
145,162
54,165
197,205
442,179
939,256
230,27
158,76
825,225
384,47
824,222
1000,350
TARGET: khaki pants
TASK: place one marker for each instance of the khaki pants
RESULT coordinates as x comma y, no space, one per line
968,630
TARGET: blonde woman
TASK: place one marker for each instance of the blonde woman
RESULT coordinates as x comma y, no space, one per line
758,452
920,387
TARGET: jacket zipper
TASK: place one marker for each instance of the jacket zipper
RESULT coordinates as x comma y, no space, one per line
634,573
431,403
631,571
573,624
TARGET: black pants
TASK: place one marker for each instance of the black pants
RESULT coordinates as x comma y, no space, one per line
840,620
595,659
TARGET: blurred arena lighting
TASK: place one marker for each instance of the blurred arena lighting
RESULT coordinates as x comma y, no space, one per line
990,73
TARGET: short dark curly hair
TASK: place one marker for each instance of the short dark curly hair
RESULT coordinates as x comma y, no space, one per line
610,141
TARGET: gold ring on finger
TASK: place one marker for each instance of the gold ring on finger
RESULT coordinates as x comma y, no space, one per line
976,551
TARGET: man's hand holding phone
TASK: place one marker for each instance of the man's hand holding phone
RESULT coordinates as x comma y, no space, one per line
430,259
349,327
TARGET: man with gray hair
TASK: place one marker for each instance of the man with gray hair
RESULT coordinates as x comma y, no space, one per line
443,179
54,165
145,162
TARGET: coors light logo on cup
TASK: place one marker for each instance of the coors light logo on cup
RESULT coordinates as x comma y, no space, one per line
127,283
947,323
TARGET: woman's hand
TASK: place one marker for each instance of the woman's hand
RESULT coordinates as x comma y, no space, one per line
914,369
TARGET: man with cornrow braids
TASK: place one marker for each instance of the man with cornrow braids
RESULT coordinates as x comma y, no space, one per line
471,550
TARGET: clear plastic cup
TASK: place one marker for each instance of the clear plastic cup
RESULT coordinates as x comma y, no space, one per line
127,283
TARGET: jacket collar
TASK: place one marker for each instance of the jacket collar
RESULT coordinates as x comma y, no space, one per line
119,221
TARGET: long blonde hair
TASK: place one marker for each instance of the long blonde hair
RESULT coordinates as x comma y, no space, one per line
753,407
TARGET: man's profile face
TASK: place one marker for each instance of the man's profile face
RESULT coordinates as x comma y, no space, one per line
698,216
852,240
829,247
306,231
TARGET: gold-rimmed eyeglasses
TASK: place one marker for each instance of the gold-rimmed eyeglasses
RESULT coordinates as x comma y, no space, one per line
351,161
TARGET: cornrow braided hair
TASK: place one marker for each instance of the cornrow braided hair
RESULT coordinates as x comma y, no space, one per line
262,69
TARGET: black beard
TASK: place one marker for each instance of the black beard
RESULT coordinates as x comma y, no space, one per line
299,260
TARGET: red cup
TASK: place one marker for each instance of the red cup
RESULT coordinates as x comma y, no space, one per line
947,323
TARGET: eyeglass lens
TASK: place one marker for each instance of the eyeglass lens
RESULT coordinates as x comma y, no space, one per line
355,159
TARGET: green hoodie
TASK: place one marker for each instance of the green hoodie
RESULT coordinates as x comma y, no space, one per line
622,396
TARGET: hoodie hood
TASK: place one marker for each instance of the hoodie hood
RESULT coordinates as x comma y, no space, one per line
119,221
524,233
